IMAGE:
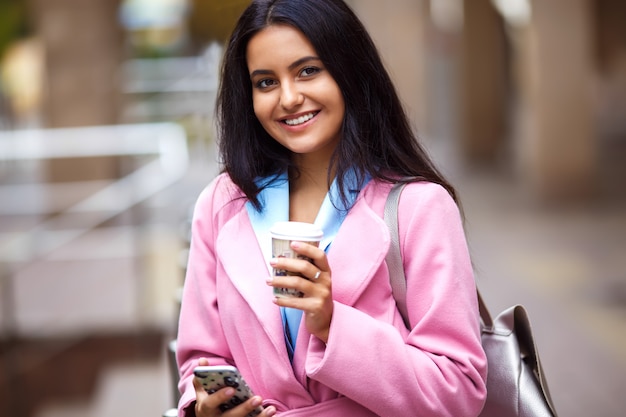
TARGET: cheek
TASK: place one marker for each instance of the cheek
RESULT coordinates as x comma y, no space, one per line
333,93
263,108
256,105
341,105
338,103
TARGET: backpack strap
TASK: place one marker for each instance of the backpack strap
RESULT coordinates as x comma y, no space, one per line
394,257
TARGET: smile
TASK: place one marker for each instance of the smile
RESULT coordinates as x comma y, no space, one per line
300,120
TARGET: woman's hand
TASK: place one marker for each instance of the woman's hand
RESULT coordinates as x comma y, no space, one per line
207,405
317,303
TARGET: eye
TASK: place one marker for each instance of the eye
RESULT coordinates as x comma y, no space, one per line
265,83
309,71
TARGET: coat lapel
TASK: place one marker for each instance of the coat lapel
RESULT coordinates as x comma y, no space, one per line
357,252
246,267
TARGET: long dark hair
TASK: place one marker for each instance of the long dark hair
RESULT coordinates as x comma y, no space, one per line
376,137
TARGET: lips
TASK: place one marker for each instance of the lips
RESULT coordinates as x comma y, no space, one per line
300,120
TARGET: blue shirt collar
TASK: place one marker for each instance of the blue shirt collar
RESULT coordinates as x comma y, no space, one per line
274,197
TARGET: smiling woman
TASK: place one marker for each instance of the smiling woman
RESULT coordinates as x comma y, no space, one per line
311,130
295,98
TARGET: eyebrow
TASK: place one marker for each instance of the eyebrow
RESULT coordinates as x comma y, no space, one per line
291,66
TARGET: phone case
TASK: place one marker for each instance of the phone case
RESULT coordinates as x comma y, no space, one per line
214,378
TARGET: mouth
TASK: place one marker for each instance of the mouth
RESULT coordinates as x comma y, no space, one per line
300,120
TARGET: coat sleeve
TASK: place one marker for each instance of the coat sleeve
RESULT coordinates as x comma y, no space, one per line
199,330
439,367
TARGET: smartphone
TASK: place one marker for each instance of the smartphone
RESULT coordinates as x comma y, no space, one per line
214,378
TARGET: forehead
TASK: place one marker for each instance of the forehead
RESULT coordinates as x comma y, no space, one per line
277,45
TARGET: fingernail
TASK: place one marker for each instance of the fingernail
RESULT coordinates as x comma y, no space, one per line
229,391
270,411
273,261
256,401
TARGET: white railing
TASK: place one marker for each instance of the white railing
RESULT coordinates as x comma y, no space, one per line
57,217
166,141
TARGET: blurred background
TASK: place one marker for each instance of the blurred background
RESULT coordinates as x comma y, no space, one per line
107,137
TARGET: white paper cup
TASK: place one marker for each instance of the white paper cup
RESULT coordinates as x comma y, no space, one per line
283,233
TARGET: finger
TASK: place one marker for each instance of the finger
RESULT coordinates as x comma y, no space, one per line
210,403
299,267
317,255
315,296
251,404
269,411
297,287
200,391
196,382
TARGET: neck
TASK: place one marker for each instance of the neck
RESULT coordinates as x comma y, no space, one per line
307,191
313,170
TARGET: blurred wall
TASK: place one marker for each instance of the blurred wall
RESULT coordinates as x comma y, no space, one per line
558,155
610,92
399,31
213,20
484,83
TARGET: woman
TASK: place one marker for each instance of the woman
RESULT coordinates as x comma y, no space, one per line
312,130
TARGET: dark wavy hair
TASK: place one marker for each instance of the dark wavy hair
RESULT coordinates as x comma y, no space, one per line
376,137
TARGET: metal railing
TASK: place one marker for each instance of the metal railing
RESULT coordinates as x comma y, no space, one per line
164,147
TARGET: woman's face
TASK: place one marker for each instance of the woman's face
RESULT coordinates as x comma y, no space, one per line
295,98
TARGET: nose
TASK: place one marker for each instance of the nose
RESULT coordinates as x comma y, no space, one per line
290,95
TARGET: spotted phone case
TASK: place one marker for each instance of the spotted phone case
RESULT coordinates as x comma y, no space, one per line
214,378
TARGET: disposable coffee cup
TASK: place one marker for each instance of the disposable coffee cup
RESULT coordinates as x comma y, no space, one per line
283,233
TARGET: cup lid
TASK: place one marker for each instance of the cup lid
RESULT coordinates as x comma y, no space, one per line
307,232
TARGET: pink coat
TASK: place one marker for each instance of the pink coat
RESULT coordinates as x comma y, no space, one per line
372,365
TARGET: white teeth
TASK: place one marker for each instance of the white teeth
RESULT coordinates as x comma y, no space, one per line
300,120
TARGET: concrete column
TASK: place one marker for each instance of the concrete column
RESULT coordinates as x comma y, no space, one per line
83,47
557,154
398,29
83,50
483,89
